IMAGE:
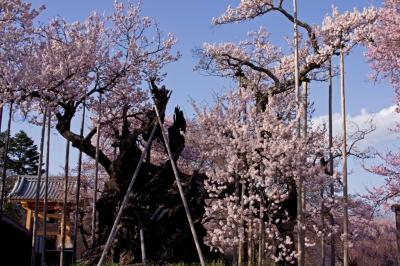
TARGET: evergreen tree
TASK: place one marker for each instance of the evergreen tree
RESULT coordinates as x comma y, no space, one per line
23,155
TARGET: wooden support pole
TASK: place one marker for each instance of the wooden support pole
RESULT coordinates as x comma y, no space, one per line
65,202
143,247
178,183
344,165
1,116
241,243
300,222
396,209
96,175
46,188
5,160
261,236
37,194
78,187
330,130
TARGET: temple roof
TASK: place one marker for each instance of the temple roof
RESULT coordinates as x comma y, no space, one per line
25,189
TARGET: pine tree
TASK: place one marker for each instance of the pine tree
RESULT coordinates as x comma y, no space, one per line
23,155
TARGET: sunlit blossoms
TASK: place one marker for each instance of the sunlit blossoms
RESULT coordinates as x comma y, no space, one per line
253,160
384,49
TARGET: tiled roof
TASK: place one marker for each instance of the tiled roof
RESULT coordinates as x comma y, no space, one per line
25,188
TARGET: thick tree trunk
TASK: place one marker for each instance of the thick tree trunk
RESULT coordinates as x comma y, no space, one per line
154,204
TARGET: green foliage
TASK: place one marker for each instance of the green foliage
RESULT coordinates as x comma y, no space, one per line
23,155
14,211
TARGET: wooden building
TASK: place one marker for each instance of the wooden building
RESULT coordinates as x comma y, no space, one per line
24,193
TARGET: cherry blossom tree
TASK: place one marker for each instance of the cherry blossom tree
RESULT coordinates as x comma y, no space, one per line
60,66
260,66
252,160
383,50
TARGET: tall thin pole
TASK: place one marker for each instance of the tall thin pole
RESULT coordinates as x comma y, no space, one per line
96,175
65,202
396,209
344,165
39,179
46,188
332,188
178,183
261,236
300,238
143,247
305,128
1,116
78,186
5,160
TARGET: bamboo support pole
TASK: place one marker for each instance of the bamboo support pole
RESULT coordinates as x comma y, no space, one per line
96,175
5,160
143,247
330,130
38,188
1,116
396,210
241,243
46,188
300,236
344,164
78,187
65,202
261,235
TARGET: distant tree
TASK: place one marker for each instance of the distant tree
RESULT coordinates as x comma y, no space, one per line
22,160
23,155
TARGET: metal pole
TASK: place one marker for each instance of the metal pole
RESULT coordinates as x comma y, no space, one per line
39,179
5,160
46,189
65,202
124,202
344,165
142,247
96,175
78,186
178,183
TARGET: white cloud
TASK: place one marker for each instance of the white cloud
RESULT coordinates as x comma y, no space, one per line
384,120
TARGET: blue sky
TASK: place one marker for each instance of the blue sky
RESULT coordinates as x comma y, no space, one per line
190,21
